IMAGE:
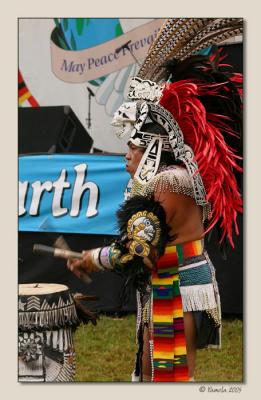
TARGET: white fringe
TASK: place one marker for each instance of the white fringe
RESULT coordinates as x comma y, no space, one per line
198,297
55,318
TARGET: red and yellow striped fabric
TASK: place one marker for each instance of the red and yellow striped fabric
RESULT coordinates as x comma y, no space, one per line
24,94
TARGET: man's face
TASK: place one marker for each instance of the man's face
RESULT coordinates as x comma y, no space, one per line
133,158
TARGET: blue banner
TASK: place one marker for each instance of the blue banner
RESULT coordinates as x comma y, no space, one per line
71,193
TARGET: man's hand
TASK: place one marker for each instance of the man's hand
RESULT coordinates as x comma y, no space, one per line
150,261
80,266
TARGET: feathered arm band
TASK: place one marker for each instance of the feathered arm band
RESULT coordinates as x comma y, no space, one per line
143,237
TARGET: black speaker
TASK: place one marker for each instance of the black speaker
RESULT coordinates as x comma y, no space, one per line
51,130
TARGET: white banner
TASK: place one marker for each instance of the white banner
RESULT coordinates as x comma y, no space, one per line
85,65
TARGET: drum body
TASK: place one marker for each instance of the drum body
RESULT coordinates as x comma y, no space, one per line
46,320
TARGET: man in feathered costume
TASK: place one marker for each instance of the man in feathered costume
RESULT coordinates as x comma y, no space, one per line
183,109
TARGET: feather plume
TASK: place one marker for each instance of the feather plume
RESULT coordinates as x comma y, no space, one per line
217,162
180,38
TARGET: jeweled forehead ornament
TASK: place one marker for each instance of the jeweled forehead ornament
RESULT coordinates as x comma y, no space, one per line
128,113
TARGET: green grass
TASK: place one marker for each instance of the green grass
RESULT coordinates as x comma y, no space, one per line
225,365
106,352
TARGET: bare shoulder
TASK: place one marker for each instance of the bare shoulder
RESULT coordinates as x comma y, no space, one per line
173,201
183,215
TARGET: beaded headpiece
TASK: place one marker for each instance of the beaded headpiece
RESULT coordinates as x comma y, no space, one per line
182,93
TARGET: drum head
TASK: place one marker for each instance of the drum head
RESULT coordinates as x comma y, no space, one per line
30,289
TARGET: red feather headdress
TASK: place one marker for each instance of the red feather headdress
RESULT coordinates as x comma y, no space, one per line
204,133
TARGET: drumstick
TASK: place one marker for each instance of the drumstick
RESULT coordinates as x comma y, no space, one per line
61,243
56,252
61,253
